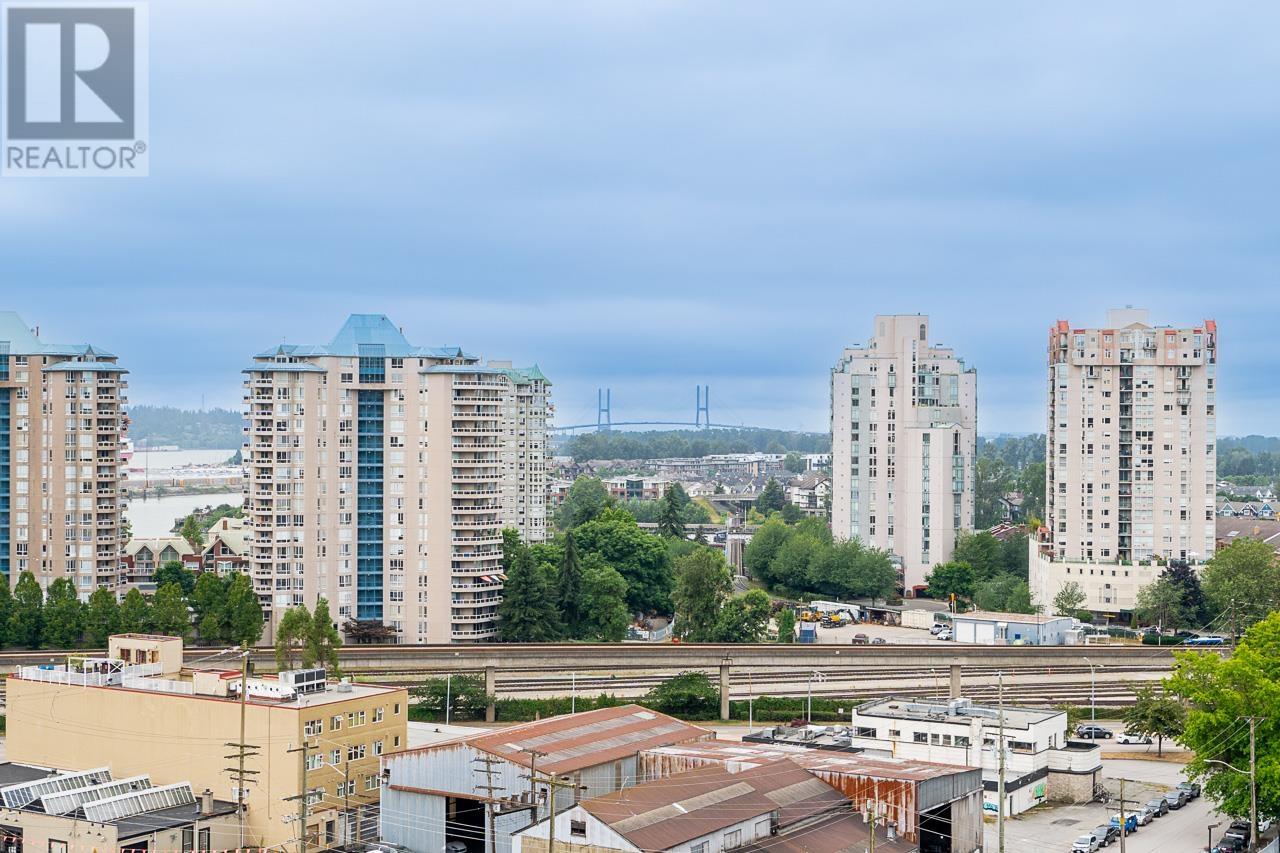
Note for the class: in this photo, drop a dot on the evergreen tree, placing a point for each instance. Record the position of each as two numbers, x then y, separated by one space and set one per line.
135 613
786 625
6 610
102 617
27 620
63 615
528 611
242 615
771 498
291 639
569 589
169 614
193 532
323 640
1180 573
671 518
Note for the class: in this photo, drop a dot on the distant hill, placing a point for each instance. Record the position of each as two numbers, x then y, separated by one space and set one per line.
156 426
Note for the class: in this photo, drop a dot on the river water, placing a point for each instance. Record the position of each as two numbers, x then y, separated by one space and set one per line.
154 517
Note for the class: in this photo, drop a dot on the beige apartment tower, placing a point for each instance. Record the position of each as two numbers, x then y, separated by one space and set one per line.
61 433
904 416
1130 447
380 475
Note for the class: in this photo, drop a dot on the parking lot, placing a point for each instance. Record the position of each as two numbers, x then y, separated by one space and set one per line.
1054 827
889 633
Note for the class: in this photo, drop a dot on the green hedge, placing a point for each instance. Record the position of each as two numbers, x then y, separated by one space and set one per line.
767 709
1161 640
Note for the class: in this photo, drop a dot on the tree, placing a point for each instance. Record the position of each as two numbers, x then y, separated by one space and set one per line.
6 610
1014 555
1242 582
792 513
27 620
1019 600
948 579
771 498
569 594
794 463
604 595
291 639
528 611
135 612
703 583
587 498
169 613
671 519
102 617
981 551
744 619
1161 603
640 558
242 614
992 480
323 639
1069 599
690 695
174 572
1193 598
763 547
786 625
1159 716
63 615
850 570
463 695
1004 593
208 600
193 532
1221 694
1030 483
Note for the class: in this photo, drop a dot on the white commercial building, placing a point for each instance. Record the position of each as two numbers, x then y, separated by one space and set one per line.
904 416
1130 479
1012 629
1040 762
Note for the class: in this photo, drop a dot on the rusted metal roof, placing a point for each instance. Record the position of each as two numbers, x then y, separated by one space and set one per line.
743 756
574 741
660 815
841 833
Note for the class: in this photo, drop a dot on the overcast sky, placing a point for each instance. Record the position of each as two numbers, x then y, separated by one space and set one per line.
649 195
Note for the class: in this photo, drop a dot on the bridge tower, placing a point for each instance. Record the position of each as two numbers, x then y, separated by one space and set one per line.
604 414
704 407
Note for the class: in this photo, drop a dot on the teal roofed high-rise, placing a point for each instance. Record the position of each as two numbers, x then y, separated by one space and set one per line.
62 428
381 473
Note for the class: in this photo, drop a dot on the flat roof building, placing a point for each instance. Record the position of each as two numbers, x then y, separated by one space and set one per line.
1012 629
1040 762
138 708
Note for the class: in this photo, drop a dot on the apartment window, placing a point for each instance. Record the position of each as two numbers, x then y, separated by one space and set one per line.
377 747
578 828
315 762
372 782
355 752
335 723
335 757
377 714
864 731
57 846
355 718
920 737
396 711
313 727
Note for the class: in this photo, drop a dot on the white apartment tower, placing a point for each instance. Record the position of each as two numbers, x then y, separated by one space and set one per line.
1131 457
904 416
380 475
61 431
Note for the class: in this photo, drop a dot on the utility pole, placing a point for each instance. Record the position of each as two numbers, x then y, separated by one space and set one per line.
553 783
1000 778
872 820
242 749
303 797
490 801
1253 784
1123 833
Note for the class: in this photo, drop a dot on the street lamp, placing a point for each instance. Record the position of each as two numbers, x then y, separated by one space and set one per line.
1212 827
809 701
1093 692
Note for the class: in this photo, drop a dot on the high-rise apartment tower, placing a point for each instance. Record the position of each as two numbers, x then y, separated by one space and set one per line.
903 442
61 428
380 475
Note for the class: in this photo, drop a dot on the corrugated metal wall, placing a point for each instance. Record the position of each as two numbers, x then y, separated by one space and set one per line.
413 821
966 824
944 789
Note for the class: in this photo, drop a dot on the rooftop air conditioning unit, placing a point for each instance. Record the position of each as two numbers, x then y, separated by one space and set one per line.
304 680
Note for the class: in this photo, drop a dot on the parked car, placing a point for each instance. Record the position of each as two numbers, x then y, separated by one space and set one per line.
1192 790
1086 843
877 641
1106 834
1175 798
945 634
1234 841
1144 815
1159 807
937 628
1133 737
861 639
1093 732
1130 822
1240 827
